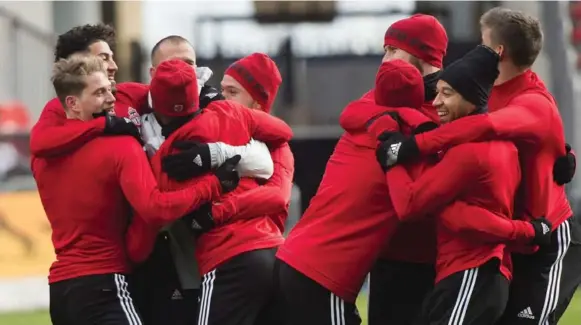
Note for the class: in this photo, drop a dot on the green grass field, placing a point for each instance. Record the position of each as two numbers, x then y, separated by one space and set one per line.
571 317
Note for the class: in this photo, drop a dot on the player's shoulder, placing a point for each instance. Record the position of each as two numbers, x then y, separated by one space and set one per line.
132 87
54 103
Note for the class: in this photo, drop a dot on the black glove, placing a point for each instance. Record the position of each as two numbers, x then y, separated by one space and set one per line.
543 232
115 125
192 161
201 220
208 95
395 148
228 175
564 167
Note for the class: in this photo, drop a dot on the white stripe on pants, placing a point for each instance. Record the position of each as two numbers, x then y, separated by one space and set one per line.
337 310
206 294
464 295
125 300
552 294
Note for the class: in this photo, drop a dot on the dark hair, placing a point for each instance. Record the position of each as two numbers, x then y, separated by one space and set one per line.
519 33
79 38
171 38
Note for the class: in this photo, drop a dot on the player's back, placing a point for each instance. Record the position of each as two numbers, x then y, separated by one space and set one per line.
496 179
341 233
86 208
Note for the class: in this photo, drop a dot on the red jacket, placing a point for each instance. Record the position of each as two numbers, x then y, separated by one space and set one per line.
410 235
54 134
343 230
282 180
89 215
522 111
231 123
484 175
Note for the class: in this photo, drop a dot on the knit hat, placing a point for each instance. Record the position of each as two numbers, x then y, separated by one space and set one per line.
258 74
421 36
174 89
399 84
473 75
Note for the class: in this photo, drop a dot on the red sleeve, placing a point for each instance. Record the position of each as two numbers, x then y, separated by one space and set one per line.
258 202
282 180
483 225
141 190
436 187
54 134
267 128
140 239
527 118
134 95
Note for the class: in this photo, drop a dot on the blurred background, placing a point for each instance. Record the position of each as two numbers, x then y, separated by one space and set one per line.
327 51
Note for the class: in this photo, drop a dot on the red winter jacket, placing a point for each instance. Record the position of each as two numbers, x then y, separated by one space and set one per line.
410 236
343 231
231 123
88 195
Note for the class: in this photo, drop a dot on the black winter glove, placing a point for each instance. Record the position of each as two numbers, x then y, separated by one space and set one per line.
543 232
115 125
192 161
208 95
564 167
228 175
395 148
201 220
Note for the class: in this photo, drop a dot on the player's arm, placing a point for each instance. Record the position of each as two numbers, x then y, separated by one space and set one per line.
256 160
525 119
267 128
282 180
140 239
482 225
251 204
140 187
54 134
436 187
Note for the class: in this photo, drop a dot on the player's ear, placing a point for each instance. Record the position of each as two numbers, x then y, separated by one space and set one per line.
71 103
151 72
256 105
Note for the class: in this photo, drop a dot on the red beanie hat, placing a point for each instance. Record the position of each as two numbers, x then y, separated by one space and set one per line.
421 36
258 74
399 84
174 89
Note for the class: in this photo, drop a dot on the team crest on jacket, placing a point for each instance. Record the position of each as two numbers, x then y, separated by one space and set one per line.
178 108
134 116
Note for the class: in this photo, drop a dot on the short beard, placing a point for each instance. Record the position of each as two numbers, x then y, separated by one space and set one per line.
418 64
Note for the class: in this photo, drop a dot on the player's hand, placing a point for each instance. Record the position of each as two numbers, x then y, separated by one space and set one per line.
208 95
395 148
228 175
543 231
115 125
201 220
564 167
193 160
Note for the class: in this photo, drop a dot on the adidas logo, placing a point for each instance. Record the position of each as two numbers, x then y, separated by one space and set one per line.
546 228
196 225
395 148
526 313
198 160
177 295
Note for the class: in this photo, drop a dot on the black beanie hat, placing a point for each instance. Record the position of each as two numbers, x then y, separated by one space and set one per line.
473 75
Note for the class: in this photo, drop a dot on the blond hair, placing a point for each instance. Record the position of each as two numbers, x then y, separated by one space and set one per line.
69 75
